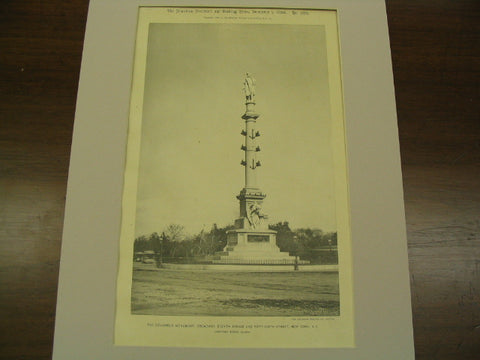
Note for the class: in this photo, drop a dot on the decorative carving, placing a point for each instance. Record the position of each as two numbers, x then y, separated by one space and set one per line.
254 215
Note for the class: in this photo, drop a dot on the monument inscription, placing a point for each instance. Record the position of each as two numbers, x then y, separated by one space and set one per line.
258 238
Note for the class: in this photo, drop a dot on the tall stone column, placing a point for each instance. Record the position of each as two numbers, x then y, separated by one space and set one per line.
251 197
251 242
250 147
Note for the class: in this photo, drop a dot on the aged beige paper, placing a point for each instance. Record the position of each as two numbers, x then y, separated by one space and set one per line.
183 172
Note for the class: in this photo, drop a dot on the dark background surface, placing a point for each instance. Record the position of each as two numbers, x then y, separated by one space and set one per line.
436 63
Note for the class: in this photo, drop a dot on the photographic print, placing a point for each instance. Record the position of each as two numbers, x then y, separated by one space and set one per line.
235 205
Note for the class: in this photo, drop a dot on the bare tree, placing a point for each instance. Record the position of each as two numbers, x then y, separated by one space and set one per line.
175 232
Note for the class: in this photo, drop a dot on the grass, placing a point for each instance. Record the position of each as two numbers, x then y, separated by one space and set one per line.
216 293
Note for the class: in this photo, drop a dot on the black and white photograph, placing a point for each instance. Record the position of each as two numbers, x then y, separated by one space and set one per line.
236 203
237 175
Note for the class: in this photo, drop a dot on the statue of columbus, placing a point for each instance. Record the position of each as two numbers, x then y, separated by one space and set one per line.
249 87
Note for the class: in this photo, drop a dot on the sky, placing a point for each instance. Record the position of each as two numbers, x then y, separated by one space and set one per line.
190 172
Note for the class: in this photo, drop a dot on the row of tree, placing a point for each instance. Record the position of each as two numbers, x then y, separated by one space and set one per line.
173 242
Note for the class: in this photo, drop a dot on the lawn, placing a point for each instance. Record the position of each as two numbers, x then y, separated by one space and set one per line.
216 293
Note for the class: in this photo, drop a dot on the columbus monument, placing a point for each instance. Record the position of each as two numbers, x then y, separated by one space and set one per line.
251 242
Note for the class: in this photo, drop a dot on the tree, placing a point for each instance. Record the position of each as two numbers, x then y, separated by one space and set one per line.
154 242
330 238
140 244
219 237
310 238
175 232
156 245
285 236
208 243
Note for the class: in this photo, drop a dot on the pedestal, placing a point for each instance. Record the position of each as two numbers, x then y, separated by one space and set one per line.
252 246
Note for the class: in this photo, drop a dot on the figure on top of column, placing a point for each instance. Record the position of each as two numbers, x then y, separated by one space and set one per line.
249 87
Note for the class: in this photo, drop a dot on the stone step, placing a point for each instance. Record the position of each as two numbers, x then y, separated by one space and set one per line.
260 261
221 253
257 254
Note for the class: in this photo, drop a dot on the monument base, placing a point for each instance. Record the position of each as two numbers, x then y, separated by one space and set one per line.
245 246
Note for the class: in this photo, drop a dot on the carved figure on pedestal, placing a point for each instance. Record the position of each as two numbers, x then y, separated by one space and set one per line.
255 216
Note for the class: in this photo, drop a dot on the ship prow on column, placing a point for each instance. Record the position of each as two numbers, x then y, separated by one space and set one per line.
252 242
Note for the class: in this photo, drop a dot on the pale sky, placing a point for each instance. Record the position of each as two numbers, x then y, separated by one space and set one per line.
190 170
